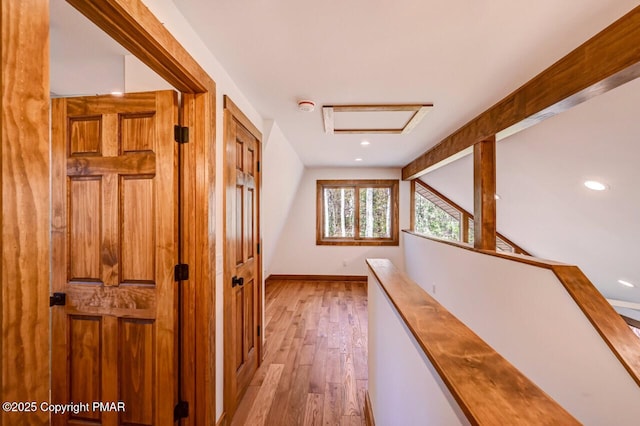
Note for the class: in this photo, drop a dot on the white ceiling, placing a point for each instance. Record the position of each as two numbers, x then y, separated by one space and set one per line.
544 205
462 55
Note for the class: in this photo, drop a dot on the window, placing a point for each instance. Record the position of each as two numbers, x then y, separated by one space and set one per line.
357 212
435 215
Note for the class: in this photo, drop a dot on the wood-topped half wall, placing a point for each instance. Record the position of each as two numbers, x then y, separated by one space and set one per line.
488 389
606 61
607 322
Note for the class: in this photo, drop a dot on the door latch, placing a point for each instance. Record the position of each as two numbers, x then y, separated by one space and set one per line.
237 281
58 299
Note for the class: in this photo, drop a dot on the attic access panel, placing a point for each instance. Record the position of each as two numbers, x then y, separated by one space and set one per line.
405 118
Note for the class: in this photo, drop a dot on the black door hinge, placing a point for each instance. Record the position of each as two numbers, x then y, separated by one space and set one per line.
258 331
181 411
258 249
181 134
58 299
258 166
181 272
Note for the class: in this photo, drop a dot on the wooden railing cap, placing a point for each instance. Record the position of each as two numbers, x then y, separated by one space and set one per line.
488 388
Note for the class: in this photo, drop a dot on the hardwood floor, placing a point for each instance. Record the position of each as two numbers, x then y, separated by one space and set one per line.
315 369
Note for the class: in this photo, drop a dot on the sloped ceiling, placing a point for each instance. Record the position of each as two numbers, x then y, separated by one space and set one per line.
462 55
544 205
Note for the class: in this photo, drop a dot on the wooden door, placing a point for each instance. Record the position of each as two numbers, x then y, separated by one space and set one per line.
243 286
114 215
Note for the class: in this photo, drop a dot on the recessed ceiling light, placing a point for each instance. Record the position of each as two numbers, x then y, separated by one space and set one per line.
358 159
365 143
626 283
595 185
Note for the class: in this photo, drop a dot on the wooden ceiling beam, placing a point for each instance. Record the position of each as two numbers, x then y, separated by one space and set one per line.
606 61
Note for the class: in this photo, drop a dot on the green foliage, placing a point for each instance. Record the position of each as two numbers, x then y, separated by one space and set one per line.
432 220
339 212
375 204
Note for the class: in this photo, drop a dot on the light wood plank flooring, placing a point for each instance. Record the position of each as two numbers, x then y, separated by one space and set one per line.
315 369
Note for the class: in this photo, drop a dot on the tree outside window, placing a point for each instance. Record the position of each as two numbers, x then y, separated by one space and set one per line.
357 212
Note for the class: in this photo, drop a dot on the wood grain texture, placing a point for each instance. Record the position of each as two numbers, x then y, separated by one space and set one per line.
632 322
142 163
222 420
237 113
136 234
487 387
26 58
132 24
260 409
484 191
84 229
320 382
305 278
135 364
464 228
85 136
607 322
242 303
84 364
604 62
25 203
369 420
198 249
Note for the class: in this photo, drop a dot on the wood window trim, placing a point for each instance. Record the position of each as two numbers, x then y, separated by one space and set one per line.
392 184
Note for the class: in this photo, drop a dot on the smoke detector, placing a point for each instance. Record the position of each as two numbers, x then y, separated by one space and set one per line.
306 105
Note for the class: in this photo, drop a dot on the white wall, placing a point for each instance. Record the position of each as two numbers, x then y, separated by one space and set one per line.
527 316
281 174
297 252
138 77
545 207
404 387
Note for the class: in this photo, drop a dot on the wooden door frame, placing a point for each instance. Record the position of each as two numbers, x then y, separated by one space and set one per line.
25 176
25 221
231 113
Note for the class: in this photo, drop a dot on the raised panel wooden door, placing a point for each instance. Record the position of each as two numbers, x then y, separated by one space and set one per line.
114 236
244 295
